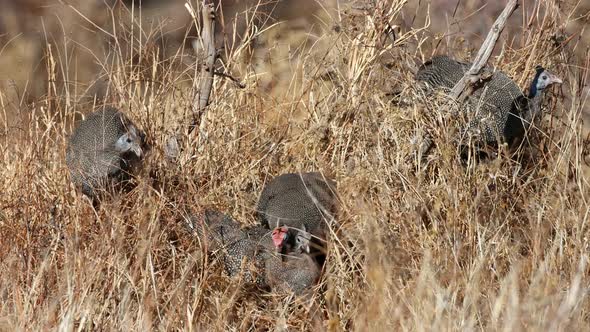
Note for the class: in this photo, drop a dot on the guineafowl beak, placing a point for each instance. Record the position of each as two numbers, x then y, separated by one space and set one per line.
553 79
137 150
306 249
279 236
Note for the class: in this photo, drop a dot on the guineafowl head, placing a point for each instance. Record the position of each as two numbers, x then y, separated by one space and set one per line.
301 240
543 79
130 142
291 240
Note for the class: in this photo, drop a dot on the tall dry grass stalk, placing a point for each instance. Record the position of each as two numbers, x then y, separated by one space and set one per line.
495 245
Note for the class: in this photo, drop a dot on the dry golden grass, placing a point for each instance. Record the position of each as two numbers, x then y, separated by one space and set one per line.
501 244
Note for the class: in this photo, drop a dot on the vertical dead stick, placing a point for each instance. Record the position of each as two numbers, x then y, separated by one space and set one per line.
207 71
173 144
472 75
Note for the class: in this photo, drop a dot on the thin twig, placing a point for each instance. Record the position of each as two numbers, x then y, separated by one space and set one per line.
231 78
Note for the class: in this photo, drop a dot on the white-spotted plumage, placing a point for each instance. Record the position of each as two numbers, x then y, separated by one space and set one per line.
497 109
102 151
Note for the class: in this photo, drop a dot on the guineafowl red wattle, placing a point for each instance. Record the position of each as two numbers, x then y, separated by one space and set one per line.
498 109
103 150
303 202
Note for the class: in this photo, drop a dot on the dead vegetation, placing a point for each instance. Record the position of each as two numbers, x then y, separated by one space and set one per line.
501 244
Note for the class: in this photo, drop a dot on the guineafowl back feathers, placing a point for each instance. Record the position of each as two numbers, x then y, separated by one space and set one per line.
441 72
216 229
223 236
297 200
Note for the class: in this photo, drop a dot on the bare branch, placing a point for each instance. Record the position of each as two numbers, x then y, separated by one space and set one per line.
173 144
472 75
207 71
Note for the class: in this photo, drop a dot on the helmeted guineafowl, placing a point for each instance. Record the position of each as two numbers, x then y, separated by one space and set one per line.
102 150
497 108
304 202
249 252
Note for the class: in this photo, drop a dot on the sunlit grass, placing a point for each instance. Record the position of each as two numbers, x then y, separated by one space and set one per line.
501 244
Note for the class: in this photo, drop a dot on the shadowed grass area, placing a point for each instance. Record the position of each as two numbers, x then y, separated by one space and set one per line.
499 244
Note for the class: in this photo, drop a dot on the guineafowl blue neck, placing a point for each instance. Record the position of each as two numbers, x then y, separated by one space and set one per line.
533 91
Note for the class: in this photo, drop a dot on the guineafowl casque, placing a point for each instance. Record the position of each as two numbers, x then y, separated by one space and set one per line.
102 151
498 107
304 203
249 252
